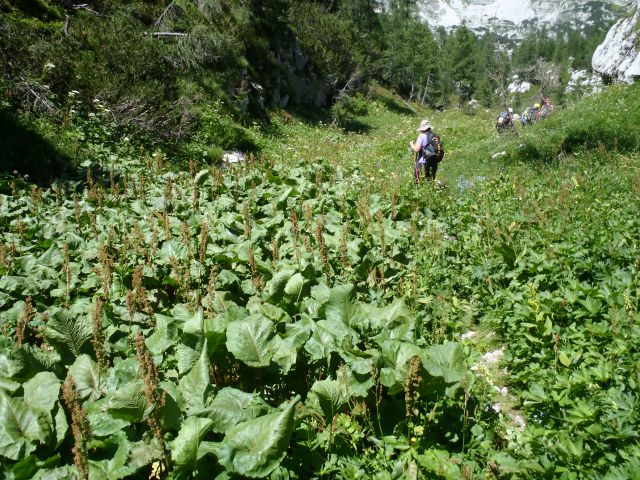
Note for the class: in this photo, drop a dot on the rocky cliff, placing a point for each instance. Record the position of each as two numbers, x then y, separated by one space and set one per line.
513 18
618 57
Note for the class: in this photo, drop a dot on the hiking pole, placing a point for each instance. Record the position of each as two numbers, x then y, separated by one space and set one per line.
416 169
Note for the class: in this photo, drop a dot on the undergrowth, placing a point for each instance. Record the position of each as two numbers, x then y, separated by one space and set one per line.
320 309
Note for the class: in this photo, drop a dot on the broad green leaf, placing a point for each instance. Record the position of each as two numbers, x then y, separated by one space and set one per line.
592 305
88 377
394 316
123 372
69 332
285 353
21 427
129 403
564 359
186 357
322 341
115 467
12 283
172 249
28 360
42 391
395 356
8 385
51 258
294 286
143 453
13 314
22 470
446 361
249 340
60 473
231 406
300 331
195 385
31 467
164 336
440 464
275 287
256 447
339 307
104 425
329 395
191 322
273 313
61 424
184 449
215 328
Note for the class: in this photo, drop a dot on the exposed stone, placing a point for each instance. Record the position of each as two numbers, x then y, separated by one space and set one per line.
618 57
515 18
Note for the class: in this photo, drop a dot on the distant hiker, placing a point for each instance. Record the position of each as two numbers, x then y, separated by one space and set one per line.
530 115
547 108
504 120
428 152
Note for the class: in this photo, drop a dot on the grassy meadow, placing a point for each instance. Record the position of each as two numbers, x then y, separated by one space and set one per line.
314 314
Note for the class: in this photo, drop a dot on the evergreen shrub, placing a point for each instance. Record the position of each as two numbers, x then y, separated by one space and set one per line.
347 108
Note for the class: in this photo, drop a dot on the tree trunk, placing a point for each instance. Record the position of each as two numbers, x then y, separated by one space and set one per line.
426 87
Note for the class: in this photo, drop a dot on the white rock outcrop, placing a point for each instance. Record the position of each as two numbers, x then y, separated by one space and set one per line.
585 82
618 57
519 87
514 18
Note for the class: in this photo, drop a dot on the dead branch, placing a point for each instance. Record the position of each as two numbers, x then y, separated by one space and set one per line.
166 34
165 13
355 76
85 6
35 99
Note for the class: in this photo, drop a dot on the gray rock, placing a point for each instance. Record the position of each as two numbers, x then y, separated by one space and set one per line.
618 57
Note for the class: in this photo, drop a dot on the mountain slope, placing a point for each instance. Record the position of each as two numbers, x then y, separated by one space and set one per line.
512 18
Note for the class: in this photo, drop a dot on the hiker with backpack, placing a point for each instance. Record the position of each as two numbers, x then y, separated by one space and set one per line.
504 120
428 152
547 108
530 115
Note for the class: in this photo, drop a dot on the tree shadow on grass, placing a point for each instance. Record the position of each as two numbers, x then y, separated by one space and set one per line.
311 115
318 116
356 126
394 106
26 152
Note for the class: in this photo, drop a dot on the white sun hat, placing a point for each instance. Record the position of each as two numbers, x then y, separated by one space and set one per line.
424 126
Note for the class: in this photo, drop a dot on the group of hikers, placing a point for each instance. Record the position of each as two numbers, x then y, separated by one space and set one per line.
428 150
504 120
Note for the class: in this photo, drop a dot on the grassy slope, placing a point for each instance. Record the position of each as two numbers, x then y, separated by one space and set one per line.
546 255
537 255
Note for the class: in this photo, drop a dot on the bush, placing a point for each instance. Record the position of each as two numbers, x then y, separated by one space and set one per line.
347 108
214 155
216 132
228 135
